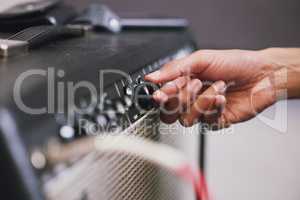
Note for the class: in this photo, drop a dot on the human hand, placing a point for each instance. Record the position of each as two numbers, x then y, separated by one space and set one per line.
242 84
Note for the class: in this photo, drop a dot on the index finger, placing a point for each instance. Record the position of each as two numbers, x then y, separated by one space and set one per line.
194 63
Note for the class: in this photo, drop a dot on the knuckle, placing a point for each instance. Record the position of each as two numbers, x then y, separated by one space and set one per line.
180 82
203 53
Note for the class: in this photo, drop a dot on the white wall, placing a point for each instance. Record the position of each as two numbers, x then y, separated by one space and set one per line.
256 161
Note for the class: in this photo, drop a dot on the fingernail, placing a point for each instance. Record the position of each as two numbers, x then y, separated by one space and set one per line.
220 99
221 86
153 76
160 96
195 86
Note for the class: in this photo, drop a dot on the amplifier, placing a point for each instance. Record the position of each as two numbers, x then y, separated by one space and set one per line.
55 97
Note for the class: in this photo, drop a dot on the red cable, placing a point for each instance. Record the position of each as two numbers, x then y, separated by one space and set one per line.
196 178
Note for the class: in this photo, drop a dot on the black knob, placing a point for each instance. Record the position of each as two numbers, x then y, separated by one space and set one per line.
129 90
102 120
143 96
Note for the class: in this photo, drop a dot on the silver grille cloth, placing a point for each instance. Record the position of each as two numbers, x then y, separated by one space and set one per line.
116 176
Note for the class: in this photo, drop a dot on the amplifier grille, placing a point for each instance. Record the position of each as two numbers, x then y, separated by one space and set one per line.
116 176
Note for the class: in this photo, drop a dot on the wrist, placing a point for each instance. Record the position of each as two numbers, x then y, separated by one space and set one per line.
285 66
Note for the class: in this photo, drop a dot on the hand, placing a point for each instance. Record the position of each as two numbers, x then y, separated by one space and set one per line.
242 84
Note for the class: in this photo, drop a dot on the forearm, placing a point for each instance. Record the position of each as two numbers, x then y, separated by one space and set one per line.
286 65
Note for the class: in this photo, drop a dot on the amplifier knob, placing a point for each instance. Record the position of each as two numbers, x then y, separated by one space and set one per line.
67 132
38 159
120 107
111 113
101 120
143 96
128 101
129 89
140 80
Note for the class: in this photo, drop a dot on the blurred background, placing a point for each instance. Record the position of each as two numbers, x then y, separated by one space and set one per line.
253 161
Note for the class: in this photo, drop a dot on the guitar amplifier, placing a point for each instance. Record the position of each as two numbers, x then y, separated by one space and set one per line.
55 97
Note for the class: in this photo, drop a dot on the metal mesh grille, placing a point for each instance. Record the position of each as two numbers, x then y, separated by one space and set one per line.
116 176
